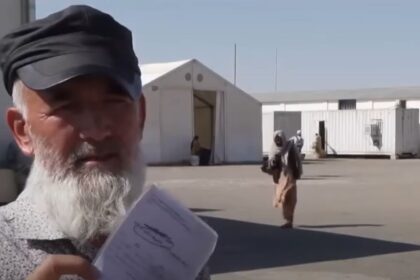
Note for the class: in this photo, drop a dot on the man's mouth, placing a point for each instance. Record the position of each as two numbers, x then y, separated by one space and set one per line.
97 159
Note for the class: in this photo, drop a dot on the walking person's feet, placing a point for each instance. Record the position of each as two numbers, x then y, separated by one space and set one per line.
287 226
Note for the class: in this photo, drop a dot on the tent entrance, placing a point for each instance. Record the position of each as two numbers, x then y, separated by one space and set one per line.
204 122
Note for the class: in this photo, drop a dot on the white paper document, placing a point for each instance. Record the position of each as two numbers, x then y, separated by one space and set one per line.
159 240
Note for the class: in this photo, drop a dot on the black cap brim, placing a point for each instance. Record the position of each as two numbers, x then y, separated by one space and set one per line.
47 73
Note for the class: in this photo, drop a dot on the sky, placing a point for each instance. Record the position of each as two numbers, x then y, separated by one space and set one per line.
321 44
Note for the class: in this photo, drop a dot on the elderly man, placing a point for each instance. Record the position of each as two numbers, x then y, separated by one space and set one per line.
79 112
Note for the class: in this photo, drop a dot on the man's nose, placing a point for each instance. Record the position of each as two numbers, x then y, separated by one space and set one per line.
94 126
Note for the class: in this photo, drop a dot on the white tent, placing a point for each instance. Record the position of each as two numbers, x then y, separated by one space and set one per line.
186 98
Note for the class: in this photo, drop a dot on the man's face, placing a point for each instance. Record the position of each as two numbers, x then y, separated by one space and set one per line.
88 122
278 141
85 137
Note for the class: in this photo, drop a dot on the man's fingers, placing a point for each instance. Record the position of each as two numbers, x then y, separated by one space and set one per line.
68 264
55 266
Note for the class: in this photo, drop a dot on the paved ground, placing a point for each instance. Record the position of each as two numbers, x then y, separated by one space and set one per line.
357 219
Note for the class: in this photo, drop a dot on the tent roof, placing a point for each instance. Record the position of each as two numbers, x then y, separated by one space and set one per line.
153 71
335 95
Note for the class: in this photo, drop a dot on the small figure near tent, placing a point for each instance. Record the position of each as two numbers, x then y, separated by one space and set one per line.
286 167
195 148
317 146
298 141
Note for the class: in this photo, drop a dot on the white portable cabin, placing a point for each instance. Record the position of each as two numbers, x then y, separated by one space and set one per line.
186 98
332 100
389 132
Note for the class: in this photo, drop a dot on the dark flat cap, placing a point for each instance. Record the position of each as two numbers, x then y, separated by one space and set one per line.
76 41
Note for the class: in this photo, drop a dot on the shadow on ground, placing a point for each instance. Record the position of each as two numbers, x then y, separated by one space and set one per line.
247 246
201 210
312 161
340 226
321 177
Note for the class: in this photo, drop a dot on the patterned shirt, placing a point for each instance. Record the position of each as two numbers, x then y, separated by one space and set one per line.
27 236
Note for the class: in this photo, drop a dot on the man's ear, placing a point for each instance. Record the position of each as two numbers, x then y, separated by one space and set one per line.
20 130
142 112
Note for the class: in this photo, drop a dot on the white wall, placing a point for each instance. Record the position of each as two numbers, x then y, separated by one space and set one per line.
297 107
211 81
369 105
300 107
169 118
332 105
176 110
151 142
243 120
345 131
414 104
273 108
12 14
364 105
384 104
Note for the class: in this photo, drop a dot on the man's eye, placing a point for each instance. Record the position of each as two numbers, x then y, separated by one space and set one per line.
64 106
117 99
67 106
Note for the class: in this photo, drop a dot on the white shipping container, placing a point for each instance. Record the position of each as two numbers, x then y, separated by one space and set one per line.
391 132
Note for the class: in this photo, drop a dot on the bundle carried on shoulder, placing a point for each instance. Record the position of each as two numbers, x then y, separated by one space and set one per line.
266 167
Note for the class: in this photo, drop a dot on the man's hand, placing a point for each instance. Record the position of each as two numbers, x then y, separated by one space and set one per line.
55 266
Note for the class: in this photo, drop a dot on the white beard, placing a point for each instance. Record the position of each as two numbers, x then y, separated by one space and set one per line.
84 205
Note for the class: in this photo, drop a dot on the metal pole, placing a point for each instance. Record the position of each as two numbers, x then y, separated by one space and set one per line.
275 79
234 66
25 7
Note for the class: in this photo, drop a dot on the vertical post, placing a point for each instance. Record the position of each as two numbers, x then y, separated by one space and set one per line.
234 65
26 9
275 78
